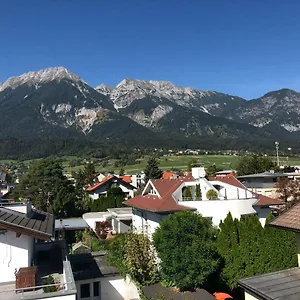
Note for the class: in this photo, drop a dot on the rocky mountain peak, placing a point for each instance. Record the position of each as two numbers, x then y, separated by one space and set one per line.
42 76
104 89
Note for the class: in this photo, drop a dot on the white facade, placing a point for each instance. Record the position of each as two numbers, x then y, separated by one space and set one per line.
219 209
15 252
239 201
110 288
120 218
146 222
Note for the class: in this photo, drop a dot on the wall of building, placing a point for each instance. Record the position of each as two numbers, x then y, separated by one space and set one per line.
218 209
61 297
111 288
146 222
15 253
250 297
262 213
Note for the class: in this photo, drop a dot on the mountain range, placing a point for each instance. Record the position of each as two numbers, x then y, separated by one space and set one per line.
57 103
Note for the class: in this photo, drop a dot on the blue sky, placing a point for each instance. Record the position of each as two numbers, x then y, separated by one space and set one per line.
241 47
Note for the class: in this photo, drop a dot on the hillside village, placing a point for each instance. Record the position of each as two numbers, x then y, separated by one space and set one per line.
152 235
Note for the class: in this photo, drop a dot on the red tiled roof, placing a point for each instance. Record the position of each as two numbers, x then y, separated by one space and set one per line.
229 179
167 175
98 184
126 178
290 219
164 202
262 200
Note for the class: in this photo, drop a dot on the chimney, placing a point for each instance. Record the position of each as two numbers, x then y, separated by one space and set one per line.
28 208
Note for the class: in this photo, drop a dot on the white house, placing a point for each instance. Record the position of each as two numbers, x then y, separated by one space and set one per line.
96 280
100 188
120 218
27 247
162 197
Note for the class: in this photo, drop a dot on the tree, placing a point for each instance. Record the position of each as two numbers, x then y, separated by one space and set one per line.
254 164
188 194
198 192
228 247
211 170
89 173
186 245
152 171
248 249
212 195
48 189
140 258
288 191
132 253
121 172
191 163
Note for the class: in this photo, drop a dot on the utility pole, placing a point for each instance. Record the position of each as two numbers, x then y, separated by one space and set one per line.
277 148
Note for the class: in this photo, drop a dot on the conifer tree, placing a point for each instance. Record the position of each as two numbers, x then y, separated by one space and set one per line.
152 171
198 192
188 194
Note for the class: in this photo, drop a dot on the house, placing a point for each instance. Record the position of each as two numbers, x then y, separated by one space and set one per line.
164 196
280 285
100 188
95 279
120 219
262 183
29 254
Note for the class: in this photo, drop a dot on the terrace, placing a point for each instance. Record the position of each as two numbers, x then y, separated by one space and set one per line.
51 260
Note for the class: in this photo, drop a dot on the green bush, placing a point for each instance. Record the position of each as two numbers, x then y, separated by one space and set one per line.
186 245
47 281
212 195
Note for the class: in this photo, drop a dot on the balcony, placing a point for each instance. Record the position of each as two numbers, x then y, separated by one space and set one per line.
50 259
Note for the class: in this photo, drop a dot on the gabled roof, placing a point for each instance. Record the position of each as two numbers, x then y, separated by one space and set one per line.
107 179
126 178
167 175
289 220
98 184
164 202
38 224
262 200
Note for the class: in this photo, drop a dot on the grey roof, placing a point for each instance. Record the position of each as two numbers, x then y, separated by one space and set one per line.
38 224
71 224
224 172
91 265
157 290
263 175
281 285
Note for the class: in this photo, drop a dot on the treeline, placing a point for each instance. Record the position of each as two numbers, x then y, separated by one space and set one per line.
248 249
30 148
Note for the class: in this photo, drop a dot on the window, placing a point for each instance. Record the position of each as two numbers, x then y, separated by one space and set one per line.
96 288
85 290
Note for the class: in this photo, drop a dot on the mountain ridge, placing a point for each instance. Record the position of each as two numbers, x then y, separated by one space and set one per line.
56 102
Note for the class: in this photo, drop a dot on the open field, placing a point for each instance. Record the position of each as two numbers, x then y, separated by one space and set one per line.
166 163
179 162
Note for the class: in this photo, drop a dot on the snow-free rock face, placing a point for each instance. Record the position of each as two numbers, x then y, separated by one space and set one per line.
57 102
54 95
279 108
40 77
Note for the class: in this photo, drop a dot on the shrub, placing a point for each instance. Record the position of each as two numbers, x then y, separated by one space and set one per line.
47 281
186 245
212 195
